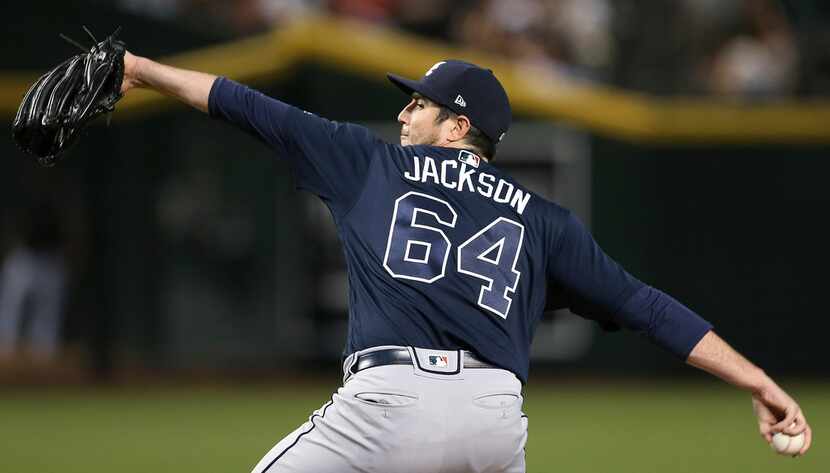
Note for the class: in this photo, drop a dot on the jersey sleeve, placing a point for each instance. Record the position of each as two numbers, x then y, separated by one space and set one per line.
327 158
600 289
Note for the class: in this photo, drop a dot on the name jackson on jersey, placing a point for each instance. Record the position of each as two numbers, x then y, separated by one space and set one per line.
460 176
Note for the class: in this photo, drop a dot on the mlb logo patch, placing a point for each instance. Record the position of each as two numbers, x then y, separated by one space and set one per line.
439 361
469 158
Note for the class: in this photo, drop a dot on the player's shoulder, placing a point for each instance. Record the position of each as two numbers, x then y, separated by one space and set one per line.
547 216
551 210
349 136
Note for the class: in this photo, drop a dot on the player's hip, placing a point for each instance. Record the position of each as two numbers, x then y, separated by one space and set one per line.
398 414
436 415
427 381
396 431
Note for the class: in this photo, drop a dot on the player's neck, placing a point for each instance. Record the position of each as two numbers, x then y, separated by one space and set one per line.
462 145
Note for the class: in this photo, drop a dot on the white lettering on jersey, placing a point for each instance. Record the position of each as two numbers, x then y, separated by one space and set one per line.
444 165
417 176
507 193
429 170
520 201
465 176
488 186
451 177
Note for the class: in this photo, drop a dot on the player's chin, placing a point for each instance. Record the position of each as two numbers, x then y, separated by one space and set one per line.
404 140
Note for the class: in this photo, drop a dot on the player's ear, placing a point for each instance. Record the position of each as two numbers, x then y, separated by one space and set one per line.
460 128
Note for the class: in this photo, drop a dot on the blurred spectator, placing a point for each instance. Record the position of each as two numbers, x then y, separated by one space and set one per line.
570 37
758 59
510 30
434 18
370 10
235 16
586 26
284 11
33 285
740 48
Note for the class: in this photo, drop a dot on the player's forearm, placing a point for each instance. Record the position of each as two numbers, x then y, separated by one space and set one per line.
190 87
713 355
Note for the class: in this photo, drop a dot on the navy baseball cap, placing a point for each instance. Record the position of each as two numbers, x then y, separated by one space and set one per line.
466 89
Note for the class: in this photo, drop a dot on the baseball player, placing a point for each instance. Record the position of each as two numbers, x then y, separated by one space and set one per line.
449 262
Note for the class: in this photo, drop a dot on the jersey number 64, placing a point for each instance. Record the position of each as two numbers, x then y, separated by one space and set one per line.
418 249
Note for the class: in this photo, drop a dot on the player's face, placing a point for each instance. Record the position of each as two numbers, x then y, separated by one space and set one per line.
418 125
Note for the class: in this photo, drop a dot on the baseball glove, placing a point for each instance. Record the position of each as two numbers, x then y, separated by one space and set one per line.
64 100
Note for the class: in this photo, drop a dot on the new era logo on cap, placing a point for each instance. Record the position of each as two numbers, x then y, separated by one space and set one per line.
460 101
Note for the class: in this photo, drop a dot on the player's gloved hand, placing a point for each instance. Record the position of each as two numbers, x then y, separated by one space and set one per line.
62 102
771 404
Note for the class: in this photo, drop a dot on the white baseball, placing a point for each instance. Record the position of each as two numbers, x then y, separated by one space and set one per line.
787 444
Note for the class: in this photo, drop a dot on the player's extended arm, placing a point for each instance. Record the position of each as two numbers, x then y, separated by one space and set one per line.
775 409
190 87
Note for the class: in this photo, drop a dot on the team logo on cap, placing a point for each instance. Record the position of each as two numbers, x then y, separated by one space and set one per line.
467 157
439 361
460 101
435 66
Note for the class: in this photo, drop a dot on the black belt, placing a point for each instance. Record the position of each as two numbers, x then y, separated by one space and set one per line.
401 356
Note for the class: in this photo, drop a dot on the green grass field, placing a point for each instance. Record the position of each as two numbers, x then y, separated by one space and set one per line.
574 427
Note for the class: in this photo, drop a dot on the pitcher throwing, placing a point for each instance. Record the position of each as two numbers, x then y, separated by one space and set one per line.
449 262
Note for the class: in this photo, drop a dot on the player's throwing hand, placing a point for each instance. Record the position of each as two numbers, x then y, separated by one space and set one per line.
772 404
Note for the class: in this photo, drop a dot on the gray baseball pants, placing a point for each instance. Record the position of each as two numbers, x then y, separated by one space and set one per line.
401 418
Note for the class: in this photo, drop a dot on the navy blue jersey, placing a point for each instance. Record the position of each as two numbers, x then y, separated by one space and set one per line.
443 249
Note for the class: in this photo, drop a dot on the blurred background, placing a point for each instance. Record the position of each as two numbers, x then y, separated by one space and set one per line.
166 283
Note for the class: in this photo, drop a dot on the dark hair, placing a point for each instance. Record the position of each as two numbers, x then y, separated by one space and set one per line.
477 140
